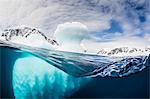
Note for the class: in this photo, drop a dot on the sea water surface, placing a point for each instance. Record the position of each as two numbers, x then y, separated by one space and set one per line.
28 72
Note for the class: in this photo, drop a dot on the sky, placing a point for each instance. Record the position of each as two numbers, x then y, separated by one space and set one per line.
109 23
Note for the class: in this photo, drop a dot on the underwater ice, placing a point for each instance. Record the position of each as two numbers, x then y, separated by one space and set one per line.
34 78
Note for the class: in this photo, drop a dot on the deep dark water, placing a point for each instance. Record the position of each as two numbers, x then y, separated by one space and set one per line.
8 57
132 86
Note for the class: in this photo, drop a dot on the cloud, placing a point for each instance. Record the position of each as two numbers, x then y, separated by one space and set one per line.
48 14
97 15
147 37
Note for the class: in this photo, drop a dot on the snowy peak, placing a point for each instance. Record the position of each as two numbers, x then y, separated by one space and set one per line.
24 33
124 51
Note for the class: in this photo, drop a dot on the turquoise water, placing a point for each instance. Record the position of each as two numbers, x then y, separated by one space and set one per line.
33 77
26 75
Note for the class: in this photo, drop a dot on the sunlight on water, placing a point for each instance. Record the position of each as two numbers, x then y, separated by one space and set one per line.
33 77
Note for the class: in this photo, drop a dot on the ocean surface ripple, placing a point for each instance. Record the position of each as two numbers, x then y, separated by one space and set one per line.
80 65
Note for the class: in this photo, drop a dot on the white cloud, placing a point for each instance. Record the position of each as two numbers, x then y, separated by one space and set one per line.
147 37
95 14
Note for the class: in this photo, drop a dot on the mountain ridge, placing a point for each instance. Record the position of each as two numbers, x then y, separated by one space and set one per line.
25 32
123 50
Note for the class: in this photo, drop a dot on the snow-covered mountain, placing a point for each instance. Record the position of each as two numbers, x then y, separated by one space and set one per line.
124 51
35 38
27 36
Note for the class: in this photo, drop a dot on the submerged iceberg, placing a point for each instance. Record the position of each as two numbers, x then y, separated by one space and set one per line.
34 78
